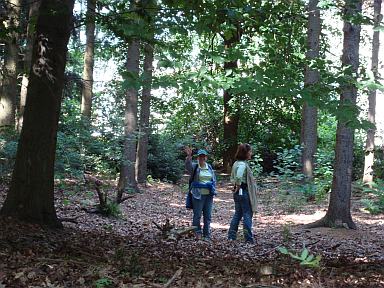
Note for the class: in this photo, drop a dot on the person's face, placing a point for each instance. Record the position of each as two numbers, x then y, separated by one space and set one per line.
249 155
202 158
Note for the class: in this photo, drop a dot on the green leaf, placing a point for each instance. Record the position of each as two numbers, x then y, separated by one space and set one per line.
304 254
283 250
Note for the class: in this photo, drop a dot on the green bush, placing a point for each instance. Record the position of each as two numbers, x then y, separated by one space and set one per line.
8 149
378 166
164 161
84 147
375 205
288 163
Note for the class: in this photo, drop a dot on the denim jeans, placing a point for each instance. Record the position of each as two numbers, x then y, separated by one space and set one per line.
242 210
202 206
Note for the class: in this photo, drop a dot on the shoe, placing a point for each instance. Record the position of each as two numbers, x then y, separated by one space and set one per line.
198 236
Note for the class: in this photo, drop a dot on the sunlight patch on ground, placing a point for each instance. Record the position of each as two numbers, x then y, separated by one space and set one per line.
294 218
222 200
368 220
176 205
219 226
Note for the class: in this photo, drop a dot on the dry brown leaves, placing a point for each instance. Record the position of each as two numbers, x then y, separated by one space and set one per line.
130 252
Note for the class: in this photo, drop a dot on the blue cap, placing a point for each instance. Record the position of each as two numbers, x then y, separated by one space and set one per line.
202 152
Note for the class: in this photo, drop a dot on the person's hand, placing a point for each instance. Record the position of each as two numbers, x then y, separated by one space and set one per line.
188 151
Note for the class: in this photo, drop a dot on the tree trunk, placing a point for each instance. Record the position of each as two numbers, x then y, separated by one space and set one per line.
231 111
9 89
31 194
142 148
127 179
339 209
32 16
309 112
86 101
370 141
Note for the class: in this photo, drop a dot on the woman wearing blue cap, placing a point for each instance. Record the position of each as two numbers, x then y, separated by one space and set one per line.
203 188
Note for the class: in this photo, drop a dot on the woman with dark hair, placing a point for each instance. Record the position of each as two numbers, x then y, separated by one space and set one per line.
244 194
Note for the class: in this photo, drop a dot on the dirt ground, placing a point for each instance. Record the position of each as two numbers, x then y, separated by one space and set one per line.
129 251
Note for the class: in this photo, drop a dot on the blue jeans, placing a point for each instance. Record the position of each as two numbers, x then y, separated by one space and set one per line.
202 206
242 210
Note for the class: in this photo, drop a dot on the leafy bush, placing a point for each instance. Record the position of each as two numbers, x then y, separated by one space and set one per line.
8 149
164 161
305 258
378 166
111 209
375 205
288 163
81 146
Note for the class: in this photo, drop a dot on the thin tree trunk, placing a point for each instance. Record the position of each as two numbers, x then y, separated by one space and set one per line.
31 194
339 209
9 89
370 141
127 179
86 101
33 14
309 112
231 112
142 148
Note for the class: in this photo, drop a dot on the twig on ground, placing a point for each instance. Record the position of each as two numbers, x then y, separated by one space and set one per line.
176 275
72 219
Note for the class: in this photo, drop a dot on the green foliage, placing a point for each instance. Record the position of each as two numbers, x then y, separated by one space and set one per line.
286 232
111 209
288 163
103 282
305 258
375 205
255 163
83 147
378 166
8 149
163 158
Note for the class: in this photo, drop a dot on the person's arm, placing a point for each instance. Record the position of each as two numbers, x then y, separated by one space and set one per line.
188 160
213 181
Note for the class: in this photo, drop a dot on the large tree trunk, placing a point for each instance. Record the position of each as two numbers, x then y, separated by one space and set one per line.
231 111
31 194
309 112
370 141
32 16
127 181
142 148
86 101
9 89
339 209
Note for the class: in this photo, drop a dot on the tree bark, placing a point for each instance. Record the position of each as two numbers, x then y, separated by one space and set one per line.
127 179
312 76
370 141
31 194
9 89
32 16
142 148
231 111
86 101
339 209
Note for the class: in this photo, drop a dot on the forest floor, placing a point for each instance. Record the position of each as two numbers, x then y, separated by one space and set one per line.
129 251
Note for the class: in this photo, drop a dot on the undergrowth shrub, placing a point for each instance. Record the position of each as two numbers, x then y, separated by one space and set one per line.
164 161
8 148
375 203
